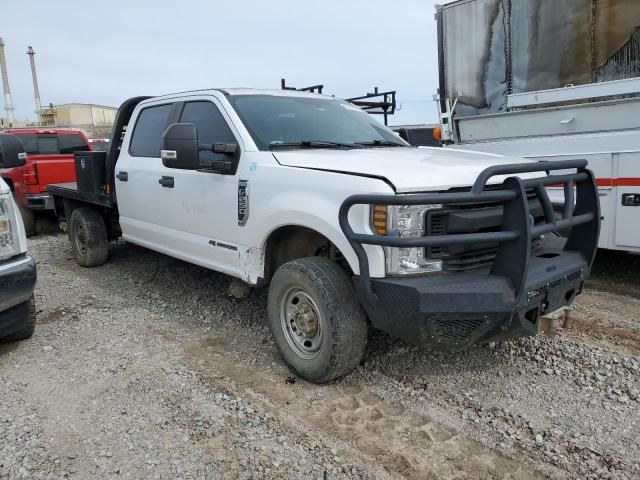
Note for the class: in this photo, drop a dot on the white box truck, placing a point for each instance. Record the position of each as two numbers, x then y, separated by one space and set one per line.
549 81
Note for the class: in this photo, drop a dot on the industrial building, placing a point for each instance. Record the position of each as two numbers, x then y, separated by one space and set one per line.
94 120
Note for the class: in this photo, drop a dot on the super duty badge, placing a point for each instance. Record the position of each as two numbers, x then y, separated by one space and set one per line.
243 202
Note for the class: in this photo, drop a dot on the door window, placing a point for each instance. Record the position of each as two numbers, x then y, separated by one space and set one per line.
211 126
147 133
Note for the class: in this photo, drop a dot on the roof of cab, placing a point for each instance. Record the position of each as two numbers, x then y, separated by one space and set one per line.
242 91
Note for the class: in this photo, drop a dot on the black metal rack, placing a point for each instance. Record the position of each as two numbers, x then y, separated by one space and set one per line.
374 103
312 88
385 106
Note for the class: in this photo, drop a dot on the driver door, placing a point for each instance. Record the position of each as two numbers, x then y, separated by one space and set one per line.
202 206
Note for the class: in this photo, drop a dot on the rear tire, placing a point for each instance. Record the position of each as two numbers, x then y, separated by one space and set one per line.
28 217
28 310
88 236
317 323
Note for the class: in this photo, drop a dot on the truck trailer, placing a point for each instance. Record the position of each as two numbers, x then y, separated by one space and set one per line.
549 81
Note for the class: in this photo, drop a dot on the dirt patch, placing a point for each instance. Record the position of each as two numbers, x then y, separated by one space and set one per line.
405 443
56 314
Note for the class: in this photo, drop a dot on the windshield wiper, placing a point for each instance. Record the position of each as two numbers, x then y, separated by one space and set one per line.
380 143
312 144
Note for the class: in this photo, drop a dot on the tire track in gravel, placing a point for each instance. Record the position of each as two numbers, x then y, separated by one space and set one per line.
404 442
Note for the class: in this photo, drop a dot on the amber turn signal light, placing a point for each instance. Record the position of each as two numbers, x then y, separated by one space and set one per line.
379 219
437 134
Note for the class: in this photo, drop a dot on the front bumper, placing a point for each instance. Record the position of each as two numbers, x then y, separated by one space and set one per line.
454 310
40 201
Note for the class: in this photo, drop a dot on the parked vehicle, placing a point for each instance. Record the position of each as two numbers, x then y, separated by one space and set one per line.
419 135
516 81
343 219
49 160
17 268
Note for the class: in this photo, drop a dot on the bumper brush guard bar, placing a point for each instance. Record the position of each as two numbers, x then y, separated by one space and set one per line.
513 256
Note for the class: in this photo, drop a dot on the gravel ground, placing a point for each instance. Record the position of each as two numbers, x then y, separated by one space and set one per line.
145 368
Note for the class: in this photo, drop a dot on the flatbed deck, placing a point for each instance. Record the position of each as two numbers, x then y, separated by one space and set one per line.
70 190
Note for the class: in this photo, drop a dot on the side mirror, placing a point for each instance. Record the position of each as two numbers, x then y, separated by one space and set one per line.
11 151
180 146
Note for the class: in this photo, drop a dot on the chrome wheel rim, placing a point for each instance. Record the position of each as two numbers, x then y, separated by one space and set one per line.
301 323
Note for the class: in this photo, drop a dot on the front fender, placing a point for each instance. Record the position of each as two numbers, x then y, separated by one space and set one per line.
313 201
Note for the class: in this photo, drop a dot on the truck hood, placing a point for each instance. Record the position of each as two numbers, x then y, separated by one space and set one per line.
407 169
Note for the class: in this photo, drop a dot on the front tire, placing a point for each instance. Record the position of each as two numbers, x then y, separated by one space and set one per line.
26 310
88 236
317 323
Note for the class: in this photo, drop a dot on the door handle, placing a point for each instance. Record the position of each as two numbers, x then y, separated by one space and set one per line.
631 199
122 176
166 182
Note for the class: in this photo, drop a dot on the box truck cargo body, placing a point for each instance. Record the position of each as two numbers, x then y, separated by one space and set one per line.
549 81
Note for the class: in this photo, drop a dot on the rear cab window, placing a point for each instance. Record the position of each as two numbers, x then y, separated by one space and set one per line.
52 143
29 141
72 143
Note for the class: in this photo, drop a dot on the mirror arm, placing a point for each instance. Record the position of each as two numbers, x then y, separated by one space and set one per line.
223 148
217 166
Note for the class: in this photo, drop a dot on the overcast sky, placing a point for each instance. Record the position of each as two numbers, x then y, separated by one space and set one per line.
105 52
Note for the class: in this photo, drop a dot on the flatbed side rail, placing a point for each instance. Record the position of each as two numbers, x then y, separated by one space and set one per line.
70 191
518 231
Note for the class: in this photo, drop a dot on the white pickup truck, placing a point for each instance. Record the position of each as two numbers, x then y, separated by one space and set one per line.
346 223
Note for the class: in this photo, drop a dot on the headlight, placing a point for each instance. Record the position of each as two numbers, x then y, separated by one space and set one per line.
9 241
404 222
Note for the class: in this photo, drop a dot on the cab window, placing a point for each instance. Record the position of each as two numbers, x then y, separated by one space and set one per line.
147 133
211 126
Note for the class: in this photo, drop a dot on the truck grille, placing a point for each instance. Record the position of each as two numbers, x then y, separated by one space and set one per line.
471 218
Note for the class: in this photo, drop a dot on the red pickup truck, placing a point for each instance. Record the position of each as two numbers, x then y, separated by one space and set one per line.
49 160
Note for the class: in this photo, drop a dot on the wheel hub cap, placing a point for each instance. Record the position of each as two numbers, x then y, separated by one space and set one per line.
301 323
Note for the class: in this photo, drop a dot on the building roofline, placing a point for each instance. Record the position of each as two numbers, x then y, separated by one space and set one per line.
83 104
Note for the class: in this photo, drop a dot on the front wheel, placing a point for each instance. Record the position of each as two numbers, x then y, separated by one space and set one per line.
317 323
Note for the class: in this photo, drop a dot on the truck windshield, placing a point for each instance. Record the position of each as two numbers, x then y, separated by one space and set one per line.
289 122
